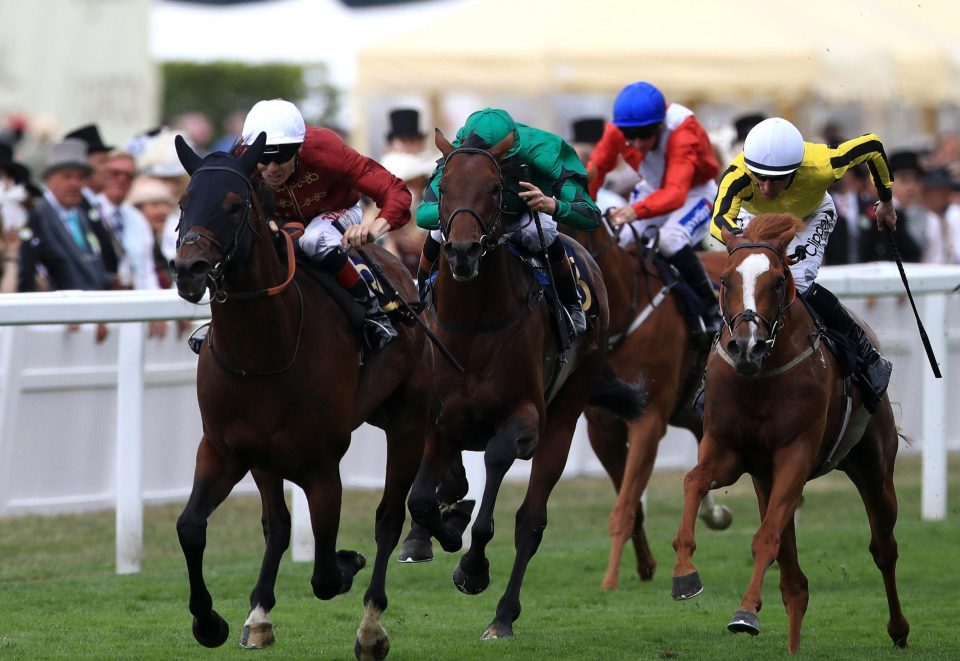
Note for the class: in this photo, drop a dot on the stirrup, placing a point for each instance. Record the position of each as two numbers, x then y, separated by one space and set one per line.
377 332
578 320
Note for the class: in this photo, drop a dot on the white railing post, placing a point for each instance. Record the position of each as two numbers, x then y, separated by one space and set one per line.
129 466
302 542
934 418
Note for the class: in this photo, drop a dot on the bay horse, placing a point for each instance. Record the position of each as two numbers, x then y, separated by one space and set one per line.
649 339
518 397
280 389
778 409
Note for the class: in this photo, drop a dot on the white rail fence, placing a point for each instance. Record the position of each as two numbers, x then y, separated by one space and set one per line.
89 426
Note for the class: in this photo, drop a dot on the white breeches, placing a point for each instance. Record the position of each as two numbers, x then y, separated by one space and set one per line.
321 235
524 231
686 226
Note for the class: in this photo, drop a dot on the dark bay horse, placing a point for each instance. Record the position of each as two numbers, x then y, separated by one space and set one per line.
280 390
649 339
777 408
517 398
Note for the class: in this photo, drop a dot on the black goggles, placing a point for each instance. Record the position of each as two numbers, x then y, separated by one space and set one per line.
278 153
772 177
640 132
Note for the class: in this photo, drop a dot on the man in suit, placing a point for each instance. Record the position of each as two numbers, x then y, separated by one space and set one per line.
60 240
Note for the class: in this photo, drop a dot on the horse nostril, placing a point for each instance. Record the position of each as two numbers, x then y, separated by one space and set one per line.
733 348
198 269
473 252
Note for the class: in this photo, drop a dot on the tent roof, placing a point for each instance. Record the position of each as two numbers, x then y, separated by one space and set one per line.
723 51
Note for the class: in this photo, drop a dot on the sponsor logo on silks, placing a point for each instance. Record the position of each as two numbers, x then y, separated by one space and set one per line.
817 241
697 217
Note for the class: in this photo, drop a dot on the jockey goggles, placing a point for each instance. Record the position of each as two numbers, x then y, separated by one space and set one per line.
278 154
771 177
640 132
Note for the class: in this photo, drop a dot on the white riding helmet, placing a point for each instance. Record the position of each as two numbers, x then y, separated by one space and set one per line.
773 147
279 119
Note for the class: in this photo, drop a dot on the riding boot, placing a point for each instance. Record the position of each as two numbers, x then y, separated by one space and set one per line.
695 275
873 370
566 284
428 260
376 328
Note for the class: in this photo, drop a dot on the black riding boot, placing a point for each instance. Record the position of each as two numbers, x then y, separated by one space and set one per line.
428 260
873 370
695 275
376 328
566 284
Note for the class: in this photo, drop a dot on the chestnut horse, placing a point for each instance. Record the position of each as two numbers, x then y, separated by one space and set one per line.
280 389
519 396
778 409
650 339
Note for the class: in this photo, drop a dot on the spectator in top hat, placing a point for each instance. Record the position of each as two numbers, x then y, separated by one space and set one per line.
60 236
16 198
405 135
96 154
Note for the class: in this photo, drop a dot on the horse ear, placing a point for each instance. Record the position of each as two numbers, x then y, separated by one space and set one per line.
252 154
730 240
502 147
189 159
442 143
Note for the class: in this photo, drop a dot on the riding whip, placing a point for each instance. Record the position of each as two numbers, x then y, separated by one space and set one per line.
562 334
923 333
393 293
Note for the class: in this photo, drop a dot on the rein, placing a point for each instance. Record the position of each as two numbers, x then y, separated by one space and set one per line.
486 244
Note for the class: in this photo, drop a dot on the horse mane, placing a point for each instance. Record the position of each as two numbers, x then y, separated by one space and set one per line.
769 226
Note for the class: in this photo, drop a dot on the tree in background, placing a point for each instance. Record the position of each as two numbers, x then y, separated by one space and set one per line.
220 88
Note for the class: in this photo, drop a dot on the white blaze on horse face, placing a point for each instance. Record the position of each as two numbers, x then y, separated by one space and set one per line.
750 270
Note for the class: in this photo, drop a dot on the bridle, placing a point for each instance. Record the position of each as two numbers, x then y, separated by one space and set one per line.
773 325
487 243
232 252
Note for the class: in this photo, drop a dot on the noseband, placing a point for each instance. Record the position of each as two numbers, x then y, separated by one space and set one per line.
487 231
774 325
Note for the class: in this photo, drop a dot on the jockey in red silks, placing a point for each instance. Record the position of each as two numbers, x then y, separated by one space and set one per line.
671 152
317 180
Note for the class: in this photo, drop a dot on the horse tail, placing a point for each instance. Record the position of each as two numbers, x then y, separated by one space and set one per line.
622 399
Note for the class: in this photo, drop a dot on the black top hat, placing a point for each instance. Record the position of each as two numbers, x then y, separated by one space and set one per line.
744 123
404 123
940 178
905 160
90 134
588 129
19 172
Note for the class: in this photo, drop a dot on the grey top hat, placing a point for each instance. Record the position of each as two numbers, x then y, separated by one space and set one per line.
70 153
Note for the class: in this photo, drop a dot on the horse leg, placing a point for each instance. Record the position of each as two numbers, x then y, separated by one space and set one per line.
793 582
215 475
416 547
547 468
472 574
717 467
870 467
790 469
626 519
258 629
423 503
333 570
404 448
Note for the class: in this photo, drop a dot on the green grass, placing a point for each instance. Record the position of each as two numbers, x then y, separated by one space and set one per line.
62 600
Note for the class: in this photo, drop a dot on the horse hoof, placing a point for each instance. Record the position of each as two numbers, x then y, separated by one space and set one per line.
744 622
257 636
350 562
213 632
497 630
687 587
471 583
720 518
377 652
415 550
646 573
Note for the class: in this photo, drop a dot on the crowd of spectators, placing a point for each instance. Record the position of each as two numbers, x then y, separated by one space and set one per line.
103 215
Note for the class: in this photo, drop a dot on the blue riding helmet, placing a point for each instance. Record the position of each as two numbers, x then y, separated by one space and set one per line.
639 104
